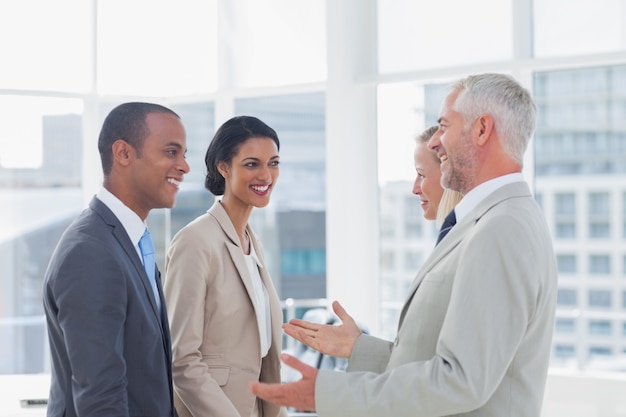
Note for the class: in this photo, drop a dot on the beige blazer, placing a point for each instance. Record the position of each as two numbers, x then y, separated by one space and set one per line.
475 332
211 308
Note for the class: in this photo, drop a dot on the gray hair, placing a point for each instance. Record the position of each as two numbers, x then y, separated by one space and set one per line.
502 97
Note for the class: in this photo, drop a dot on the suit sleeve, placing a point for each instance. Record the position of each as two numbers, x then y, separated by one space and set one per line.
187 269
493 299
91 297
370 354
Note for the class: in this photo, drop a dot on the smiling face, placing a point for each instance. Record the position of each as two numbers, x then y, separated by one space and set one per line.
427 180
252 173
156 170
454 146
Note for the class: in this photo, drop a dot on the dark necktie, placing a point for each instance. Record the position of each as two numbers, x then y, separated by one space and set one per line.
448 224
149 262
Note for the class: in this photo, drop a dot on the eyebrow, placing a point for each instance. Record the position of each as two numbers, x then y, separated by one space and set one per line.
254 158
176 145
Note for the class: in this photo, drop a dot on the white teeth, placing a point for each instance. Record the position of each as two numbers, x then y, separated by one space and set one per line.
261 189
173 182
443 158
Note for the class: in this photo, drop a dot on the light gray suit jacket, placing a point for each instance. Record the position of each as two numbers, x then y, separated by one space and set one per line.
212 311
475 332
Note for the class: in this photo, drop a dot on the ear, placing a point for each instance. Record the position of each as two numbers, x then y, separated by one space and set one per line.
123 153
483 129
222 167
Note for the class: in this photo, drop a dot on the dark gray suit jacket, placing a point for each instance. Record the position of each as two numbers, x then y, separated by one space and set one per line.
110 347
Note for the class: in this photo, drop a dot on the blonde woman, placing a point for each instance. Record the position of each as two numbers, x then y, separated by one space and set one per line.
436 201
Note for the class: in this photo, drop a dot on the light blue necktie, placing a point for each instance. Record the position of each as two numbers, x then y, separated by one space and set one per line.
149 262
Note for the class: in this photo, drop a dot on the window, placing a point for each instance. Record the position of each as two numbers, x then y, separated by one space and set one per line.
599 204
539 199
564 351
565 204
119 40
67 43
565 230
388 260
600 230
40 194
413 217
556 36
600 327
600 264
296 41
565 326
293 226
599 215
408 22
412 261
387 229
566 264
565 212
600 299
600 351
567 297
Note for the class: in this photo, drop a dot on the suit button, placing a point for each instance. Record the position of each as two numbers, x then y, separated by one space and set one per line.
395 341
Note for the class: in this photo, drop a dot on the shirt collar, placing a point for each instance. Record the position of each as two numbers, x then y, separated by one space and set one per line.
480 192
131 222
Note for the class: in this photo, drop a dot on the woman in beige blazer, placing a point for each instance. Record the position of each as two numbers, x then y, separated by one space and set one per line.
224 313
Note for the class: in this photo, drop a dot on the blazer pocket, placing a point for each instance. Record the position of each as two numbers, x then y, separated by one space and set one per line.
220 374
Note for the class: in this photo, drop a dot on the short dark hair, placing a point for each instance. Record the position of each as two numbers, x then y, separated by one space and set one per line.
127 122
225 145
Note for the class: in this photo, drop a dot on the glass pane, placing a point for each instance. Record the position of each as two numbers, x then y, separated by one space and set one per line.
293 226
404 110
563 27
417 35
40 194
46 45
580 149
274 42
170 51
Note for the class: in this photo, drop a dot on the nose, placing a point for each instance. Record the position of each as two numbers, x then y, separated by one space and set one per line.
184 166
417 188
265 174
435 140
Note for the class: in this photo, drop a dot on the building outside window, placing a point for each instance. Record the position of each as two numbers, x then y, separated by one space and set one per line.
566 264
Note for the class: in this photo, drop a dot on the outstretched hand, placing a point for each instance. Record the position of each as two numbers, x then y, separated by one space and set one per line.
299 394
329 339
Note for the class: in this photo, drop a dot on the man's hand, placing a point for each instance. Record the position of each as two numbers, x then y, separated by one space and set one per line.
299 394
331 340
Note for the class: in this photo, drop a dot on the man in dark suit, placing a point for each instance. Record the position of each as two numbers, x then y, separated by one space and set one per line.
107 324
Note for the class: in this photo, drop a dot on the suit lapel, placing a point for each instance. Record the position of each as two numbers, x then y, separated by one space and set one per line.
120 234
237 257
459 231
234 249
